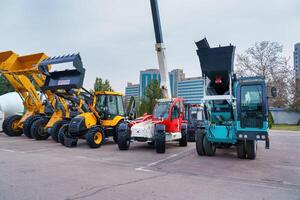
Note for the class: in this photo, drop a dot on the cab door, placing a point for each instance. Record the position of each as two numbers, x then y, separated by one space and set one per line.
175 124
252 105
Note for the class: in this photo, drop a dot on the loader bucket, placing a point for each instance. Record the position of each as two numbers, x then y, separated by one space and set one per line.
6 58
28 62
65 79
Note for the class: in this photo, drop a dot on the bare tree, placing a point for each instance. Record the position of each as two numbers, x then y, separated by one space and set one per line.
265 59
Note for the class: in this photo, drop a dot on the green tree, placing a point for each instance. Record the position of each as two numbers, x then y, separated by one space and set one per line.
102 85
5 86
153 92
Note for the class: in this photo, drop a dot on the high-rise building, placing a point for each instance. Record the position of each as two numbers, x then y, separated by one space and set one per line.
132 90
297 63
146 78
191 90
175 76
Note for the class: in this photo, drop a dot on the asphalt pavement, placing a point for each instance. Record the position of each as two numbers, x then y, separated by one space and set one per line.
42 170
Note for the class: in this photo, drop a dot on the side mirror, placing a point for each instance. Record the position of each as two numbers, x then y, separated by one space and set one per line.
273 92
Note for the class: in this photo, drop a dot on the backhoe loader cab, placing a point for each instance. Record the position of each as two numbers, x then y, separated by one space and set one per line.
106 113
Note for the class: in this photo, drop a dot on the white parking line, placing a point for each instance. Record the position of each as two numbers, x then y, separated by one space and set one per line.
7 150
152 164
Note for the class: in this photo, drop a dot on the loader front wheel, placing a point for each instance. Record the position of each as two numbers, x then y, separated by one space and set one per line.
65 138
209 147
38 130
4 124
160 138
61 134
95 137
11 126
28 123
199 139
55 129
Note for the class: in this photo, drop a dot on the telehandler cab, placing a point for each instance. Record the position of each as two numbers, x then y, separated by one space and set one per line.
166 123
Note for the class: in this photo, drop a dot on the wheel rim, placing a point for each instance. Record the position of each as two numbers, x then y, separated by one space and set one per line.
14 125
41 130
98 138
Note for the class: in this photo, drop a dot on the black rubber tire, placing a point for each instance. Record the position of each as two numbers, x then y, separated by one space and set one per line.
241 149
38 131
199 137
4 124
251 149
55 129
28 123
160 138
115 136
183 140
61 133
90 137
123 137
65 138
209 147
9 130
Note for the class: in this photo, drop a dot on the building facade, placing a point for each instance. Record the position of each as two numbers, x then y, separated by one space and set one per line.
175 76
132 90
146 78
191 90
297 63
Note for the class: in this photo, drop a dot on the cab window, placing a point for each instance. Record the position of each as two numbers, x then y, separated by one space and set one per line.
112 105
175 111
101 102
251 97
120 106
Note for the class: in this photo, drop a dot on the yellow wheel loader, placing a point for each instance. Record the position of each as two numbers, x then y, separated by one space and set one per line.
66 86
9 61
46 111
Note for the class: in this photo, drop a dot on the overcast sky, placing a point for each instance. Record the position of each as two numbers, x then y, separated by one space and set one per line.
116 39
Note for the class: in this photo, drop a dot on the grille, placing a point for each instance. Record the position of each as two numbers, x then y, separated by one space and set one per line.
251 122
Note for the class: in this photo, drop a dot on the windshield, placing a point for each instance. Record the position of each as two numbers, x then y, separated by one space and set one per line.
161 110
101 102
251 97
